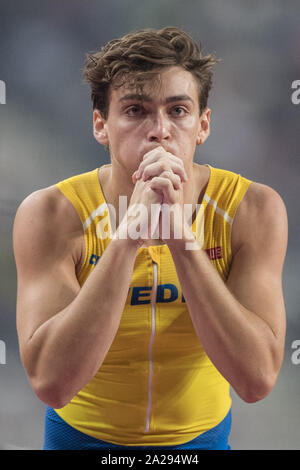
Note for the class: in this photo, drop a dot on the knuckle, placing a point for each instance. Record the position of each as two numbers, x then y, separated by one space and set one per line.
164 166
155 179
145 171
141 169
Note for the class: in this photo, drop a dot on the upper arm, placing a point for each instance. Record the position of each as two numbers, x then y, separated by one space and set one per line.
259 235
44 238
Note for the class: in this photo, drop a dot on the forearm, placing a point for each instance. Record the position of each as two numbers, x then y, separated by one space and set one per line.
68 349
237 341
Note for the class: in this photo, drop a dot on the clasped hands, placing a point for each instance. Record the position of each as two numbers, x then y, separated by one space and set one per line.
166 172
159 182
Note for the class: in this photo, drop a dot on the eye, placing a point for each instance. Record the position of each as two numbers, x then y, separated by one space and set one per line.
178 111
134 110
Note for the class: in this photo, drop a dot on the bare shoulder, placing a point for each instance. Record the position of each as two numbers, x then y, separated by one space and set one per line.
261 217
46 220
48 207
261 200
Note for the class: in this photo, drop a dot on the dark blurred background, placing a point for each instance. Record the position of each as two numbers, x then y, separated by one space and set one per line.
46 135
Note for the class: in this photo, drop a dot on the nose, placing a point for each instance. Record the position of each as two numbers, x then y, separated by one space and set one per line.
159 128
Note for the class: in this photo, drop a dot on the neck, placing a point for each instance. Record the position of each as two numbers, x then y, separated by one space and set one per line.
120 181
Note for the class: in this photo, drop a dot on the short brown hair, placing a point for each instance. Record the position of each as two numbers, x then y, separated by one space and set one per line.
139 56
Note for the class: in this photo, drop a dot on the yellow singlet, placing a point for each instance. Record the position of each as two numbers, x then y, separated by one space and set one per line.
156 386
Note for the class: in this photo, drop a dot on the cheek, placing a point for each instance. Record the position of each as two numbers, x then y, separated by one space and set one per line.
187 134
187 129
124 142
126 130
117 135
191 124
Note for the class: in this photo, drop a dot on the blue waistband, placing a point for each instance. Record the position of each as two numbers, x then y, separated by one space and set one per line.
58 435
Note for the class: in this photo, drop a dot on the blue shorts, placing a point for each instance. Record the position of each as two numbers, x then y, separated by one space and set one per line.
59 435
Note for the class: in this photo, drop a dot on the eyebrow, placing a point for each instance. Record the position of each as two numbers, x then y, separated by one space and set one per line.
141 97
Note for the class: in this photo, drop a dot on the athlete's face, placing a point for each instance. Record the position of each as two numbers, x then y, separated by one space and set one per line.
166 114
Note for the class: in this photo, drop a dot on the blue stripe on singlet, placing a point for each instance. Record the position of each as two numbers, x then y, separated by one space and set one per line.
58 435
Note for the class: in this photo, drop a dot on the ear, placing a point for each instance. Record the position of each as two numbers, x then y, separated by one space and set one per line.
204 126
99 128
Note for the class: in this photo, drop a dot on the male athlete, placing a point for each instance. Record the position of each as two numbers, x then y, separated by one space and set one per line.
130 334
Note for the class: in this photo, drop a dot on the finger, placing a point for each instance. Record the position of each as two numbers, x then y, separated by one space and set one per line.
162 166
134 177
159 154
165 186
172 177
166 157
175 179
155 151
149 158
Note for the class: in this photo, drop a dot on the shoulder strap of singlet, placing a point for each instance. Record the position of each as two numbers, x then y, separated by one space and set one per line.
84 192
225 192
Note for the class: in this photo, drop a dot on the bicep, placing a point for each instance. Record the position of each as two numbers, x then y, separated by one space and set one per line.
47 282
40 298
258 288
255 277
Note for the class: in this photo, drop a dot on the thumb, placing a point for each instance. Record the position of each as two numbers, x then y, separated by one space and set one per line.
134 178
